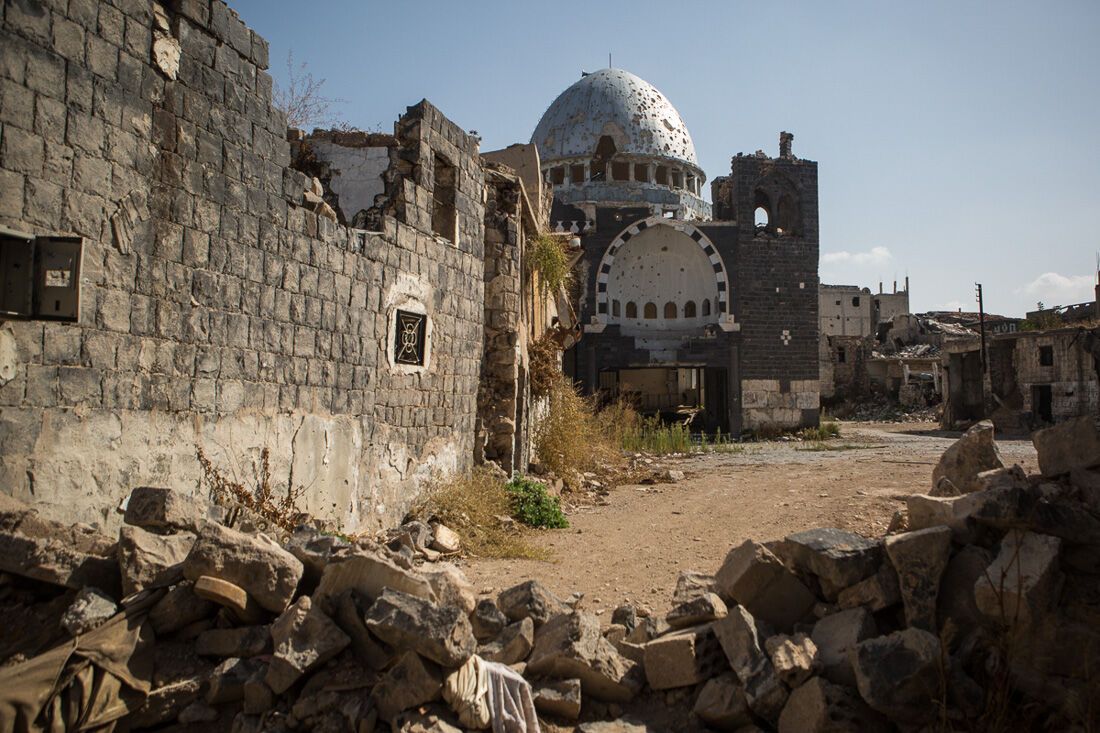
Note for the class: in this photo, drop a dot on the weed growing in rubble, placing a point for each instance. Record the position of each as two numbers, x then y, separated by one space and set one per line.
533 506
573 438
547 255
478 506
279 507
544 361
635 433
824 431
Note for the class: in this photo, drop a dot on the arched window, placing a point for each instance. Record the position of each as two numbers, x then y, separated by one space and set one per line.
650 310
689 309
760 217
706 306
631 309
615 308
670 310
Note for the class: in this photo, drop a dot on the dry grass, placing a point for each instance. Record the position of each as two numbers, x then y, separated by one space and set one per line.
279 507
478 507
573 438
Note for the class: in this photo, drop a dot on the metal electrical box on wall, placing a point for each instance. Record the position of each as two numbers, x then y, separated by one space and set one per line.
39 277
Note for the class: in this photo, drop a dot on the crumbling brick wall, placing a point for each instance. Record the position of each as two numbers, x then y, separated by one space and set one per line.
217 310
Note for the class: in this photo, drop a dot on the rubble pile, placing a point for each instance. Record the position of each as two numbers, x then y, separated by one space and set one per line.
985 605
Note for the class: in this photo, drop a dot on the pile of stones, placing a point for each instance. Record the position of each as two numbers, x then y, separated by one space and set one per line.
984 608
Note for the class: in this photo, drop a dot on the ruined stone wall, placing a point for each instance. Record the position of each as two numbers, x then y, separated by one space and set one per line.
1071 377
216 309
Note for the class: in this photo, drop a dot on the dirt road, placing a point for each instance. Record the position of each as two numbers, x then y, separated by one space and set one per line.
633 548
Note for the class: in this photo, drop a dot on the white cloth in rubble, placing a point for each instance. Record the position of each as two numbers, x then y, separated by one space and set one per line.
485 694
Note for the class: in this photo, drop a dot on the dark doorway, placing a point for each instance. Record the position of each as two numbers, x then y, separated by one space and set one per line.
1042 403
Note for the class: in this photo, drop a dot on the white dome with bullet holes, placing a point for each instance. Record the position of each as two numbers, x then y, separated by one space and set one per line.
615 103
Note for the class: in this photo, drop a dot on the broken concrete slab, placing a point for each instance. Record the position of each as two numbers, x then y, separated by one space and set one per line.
690 585
837 558
721 704
512 645
450 586
348 613
920 558
571 646
1019 586
559 698
180 607
699 610
164 510
241 641
226 683
899 675
835 635
742 641
975 452
819 706
445 539
410 682
755 578
256 563
440 633
683 658
369 574
304 638
146 559
794 658
1073 443
73 556
876 593
531 599
487 620
89 609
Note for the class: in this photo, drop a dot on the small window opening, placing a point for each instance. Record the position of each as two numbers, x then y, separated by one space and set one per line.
855 301
620 171
689 309
1046 356
669 214
444 214
691 184
841 355
760 217
706 307
615 308
557 175
631 309
670 310
641 172
576 174
661 175
650 311
677 179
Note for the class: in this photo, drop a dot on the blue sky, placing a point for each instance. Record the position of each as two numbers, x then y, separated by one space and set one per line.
956 141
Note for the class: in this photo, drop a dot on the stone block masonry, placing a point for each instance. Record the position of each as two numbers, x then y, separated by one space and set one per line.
217 309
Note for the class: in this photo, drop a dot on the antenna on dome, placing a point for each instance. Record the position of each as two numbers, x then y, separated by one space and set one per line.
609 60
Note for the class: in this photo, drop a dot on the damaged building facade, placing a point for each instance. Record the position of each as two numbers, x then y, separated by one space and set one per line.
175 278
689 309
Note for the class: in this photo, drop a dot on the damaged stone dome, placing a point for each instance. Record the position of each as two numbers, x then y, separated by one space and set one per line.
617 104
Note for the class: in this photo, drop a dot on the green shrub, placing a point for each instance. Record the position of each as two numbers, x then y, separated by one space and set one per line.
546 254
533 506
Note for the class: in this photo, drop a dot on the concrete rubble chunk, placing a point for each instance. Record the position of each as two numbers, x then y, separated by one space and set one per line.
899 675
571 646
742 642
314 550
256 563
165 510
487 620
147 559
970 455
369 574
512 645
920 558
626 616
835 557
411 681
73 556
699 610
226 683
819 706
445 539
304 638
691 584
683 658
1019 586
755 578
258 697
647 629
954 512
956 597
793 657
835 635
531 599
721 704
1087 483
1030 511
450 586
348 615
876 593
226 594
440 633
89 609
180 607
559 698
242 641
1073 443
